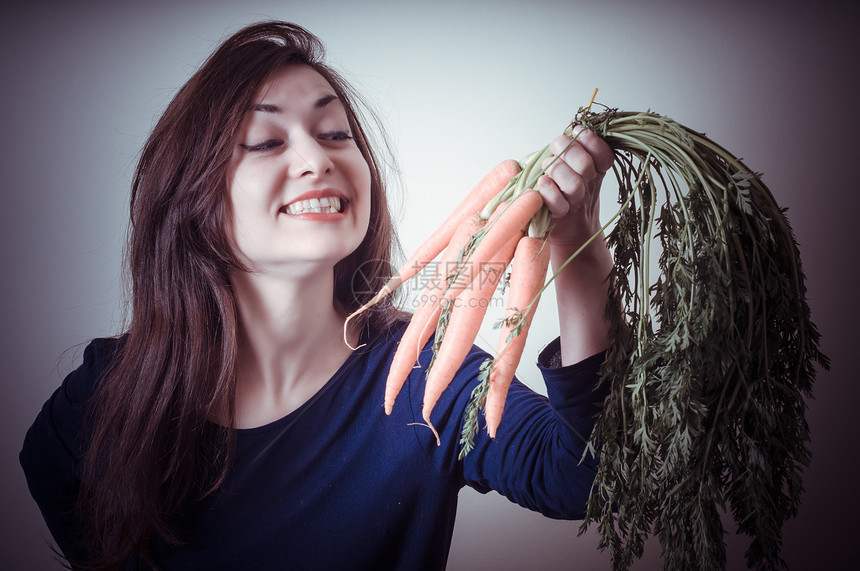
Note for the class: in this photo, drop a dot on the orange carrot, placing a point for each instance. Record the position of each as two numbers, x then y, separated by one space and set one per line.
487 188
421 324
528 272
465 321
510 218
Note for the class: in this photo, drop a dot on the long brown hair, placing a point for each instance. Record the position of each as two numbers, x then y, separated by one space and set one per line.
152 450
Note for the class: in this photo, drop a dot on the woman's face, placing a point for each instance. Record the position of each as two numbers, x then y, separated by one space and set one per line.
299 187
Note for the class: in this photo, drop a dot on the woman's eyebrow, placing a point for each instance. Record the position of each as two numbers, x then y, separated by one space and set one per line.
272 108
325 100
266 108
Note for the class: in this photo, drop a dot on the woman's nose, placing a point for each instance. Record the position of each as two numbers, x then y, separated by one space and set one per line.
309 157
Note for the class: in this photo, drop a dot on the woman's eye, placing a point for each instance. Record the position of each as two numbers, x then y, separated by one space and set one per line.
264 146
336 136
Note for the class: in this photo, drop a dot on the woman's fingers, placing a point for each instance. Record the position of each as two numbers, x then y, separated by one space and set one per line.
598 150
571 184
553 197
573 158
575 170
570 178
585 153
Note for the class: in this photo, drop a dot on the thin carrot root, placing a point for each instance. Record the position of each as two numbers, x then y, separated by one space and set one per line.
529 268
432 428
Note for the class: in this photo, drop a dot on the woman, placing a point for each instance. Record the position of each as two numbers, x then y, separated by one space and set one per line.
230 427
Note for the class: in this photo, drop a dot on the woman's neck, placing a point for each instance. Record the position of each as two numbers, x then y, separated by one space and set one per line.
290 343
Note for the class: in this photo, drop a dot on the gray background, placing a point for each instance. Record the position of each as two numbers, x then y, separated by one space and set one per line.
460 86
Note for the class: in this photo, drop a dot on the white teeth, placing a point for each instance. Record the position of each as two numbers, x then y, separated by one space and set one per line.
324 205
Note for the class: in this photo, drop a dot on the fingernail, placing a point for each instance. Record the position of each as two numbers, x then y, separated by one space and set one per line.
543 181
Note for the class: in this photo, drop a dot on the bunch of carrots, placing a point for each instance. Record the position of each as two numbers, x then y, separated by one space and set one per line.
501 222
494 226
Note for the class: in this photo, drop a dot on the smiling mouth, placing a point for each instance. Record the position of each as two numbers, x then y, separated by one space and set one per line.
323 205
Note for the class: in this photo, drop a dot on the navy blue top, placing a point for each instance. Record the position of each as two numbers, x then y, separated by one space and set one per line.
337 484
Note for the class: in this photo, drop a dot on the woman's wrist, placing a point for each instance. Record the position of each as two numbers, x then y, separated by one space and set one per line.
591 254
581 293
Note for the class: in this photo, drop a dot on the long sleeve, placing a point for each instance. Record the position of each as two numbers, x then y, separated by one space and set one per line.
538 458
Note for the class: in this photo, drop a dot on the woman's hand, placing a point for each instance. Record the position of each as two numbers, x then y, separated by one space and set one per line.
571 186
571 191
